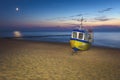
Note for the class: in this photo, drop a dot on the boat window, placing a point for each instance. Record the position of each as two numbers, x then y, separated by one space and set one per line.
74 35
80 36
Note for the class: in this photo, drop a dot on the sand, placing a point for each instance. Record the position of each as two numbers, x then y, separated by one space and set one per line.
28 60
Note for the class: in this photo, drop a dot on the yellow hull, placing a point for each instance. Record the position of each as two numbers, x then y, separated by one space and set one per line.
79 45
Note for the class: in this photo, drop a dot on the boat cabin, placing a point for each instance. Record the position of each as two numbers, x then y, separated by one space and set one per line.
81 35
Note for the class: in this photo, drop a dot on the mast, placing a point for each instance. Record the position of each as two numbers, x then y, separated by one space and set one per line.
81 24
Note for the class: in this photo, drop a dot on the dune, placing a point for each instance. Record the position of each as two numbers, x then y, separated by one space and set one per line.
29 60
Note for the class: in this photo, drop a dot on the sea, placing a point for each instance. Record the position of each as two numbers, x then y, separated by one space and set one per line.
107 39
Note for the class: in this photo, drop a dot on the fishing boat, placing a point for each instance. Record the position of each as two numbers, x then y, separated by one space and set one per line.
81 38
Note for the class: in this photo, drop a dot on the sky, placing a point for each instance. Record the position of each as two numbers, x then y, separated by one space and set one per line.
58 13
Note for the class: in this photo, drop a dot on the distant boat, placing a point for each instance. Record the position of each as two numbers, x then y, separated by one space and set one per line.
81 38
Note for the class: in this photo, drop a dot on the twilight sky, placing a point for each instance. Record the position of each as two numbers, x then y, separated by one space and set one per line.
62 13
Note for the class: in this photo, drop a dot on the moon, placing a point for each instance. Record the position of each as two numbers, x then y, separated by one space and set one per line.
17 9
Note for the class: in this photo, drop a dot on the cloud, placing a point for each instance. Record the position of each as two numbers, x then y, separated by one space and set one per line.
75 19
66 18
83 19
102 18
67 23
105 10
71 16
79 15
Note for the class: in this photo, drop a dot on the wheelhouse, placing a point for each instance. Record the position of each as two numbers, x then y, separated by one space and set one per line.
80 35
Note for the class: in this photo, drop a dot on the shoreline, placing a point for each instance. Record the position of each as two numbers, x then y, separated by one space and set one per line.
32 41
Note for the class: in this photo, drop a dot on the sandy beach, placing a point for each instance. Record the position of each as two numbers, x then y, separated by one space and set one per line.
28 60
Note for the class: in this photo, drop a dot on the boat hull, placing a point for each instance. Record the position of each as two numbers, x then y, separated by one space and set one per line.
79 45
